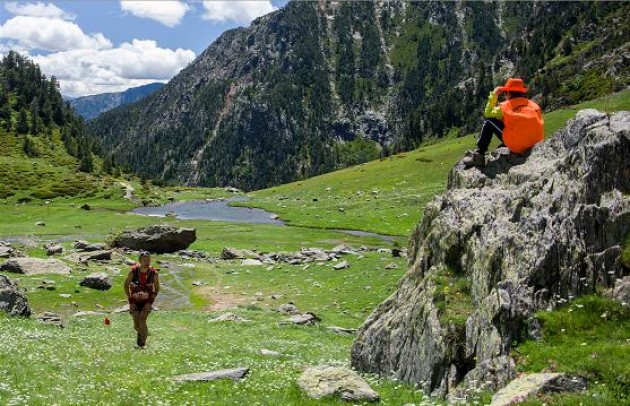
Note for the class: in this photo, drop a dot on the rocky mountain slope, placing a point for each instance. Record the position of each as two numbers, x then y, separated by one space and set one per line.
90 107
519 236
320 85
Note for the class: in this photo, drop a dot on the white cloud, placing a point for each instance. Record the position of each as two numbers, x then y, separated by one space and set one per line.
167 12
38 9
242 11
50 34
90 71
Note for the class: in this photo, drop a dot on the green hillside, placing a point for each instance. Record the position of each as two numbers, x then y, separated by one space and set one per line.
387 196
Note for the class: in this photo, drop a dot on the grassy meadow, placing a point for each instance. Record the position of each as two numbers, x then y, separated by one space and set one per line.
89 363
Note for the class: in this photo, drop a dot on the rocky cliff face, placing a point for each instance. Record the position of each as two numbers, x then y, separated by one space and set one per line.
521 235
319 85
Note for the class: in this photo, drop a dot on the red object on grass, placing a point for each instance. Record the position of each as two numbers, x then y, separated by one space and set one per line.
107 321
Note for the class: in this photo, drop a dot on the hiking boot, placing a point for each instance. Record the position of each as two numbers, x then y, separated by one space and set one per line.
474 159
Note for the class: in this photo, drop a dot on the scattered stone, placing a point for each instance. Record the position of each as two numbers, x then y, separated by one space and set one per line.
342 249
12 301
159 239
98 281
35 266
80 244
197 283
522 388
229 317
304 319
6 251
341 265
52 249
40 223
233 253
234 374
193 254
65 295
288 308
231 189
251 262
396 252
343 331
322 382
269 352
98 246
52 318
96 256
86 207
391 266
87 314
122 309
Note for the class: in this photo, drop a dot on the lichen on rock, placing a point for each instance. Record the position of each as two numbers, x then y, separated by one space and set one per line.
527 232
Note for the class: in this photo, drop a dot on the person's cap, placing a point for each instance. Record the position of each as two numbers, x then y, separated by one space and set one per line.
514 85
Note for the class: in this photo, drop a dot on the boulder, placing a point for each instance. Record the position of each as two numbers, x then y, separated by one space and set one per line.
304 319
96 256
97 246
98 281
341 265
80 244
6 251
530 385
12 300
233 374
158 239
323 382
288 308
35 266
52 249
527 232
233 253
86 207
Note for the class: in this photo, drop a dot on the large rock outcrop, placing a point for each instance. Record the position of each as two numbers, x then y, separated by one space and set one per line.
12 300
518 236
159 239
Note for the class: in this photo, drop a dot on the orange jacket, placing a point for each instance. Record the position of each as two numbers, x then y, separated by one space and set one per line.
523 124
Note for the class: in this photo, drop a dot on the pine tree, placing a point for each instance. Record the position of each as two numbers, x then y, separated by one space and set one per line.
22 126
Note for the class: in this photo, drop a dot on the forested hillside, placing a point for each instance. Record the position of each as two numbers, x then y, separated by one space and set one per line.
45 152
317 86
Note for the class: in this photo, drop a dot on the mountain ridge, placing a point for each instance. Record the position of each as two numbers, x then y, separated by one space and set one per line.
313 86
91 106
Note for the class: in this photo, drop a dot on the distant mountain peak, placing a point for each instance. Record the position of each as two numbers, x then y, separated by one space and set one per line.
90 107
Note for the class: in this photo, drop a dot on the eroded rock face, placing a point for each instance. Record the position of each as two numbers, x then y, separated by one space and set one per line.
35 266
12 300
524 233
158 239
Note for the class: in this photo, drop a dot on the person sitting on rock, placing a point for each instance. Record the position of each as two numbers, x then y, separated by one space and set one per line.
517 122
141 287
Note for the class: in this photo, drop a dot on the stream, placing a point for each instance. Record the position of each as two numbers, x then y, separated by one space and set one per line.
220 210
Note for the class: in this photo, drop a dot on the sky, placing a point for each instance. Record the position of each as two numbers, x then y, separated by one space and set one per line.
101 46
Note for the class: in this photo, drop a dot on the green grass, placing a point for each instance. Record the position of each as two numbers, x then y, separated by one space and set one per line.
89 363
588 337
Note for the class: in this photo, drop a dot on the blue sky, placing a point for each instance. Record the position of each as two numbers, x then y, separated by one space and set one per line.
98 46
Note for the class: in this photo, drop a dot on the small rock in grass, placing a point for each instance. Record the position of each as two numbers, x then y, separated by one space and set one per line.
391 266
304 319
322 382
341 265
40 223
342 330
234 374
229 317
98 281
269 352
288 308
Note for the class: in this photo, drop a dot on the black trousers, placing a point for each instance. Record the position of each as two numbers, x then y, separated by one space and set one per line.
491 126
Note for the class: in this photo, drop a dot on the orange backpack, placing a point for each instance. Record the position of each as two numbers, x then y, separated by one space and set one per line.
523 124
